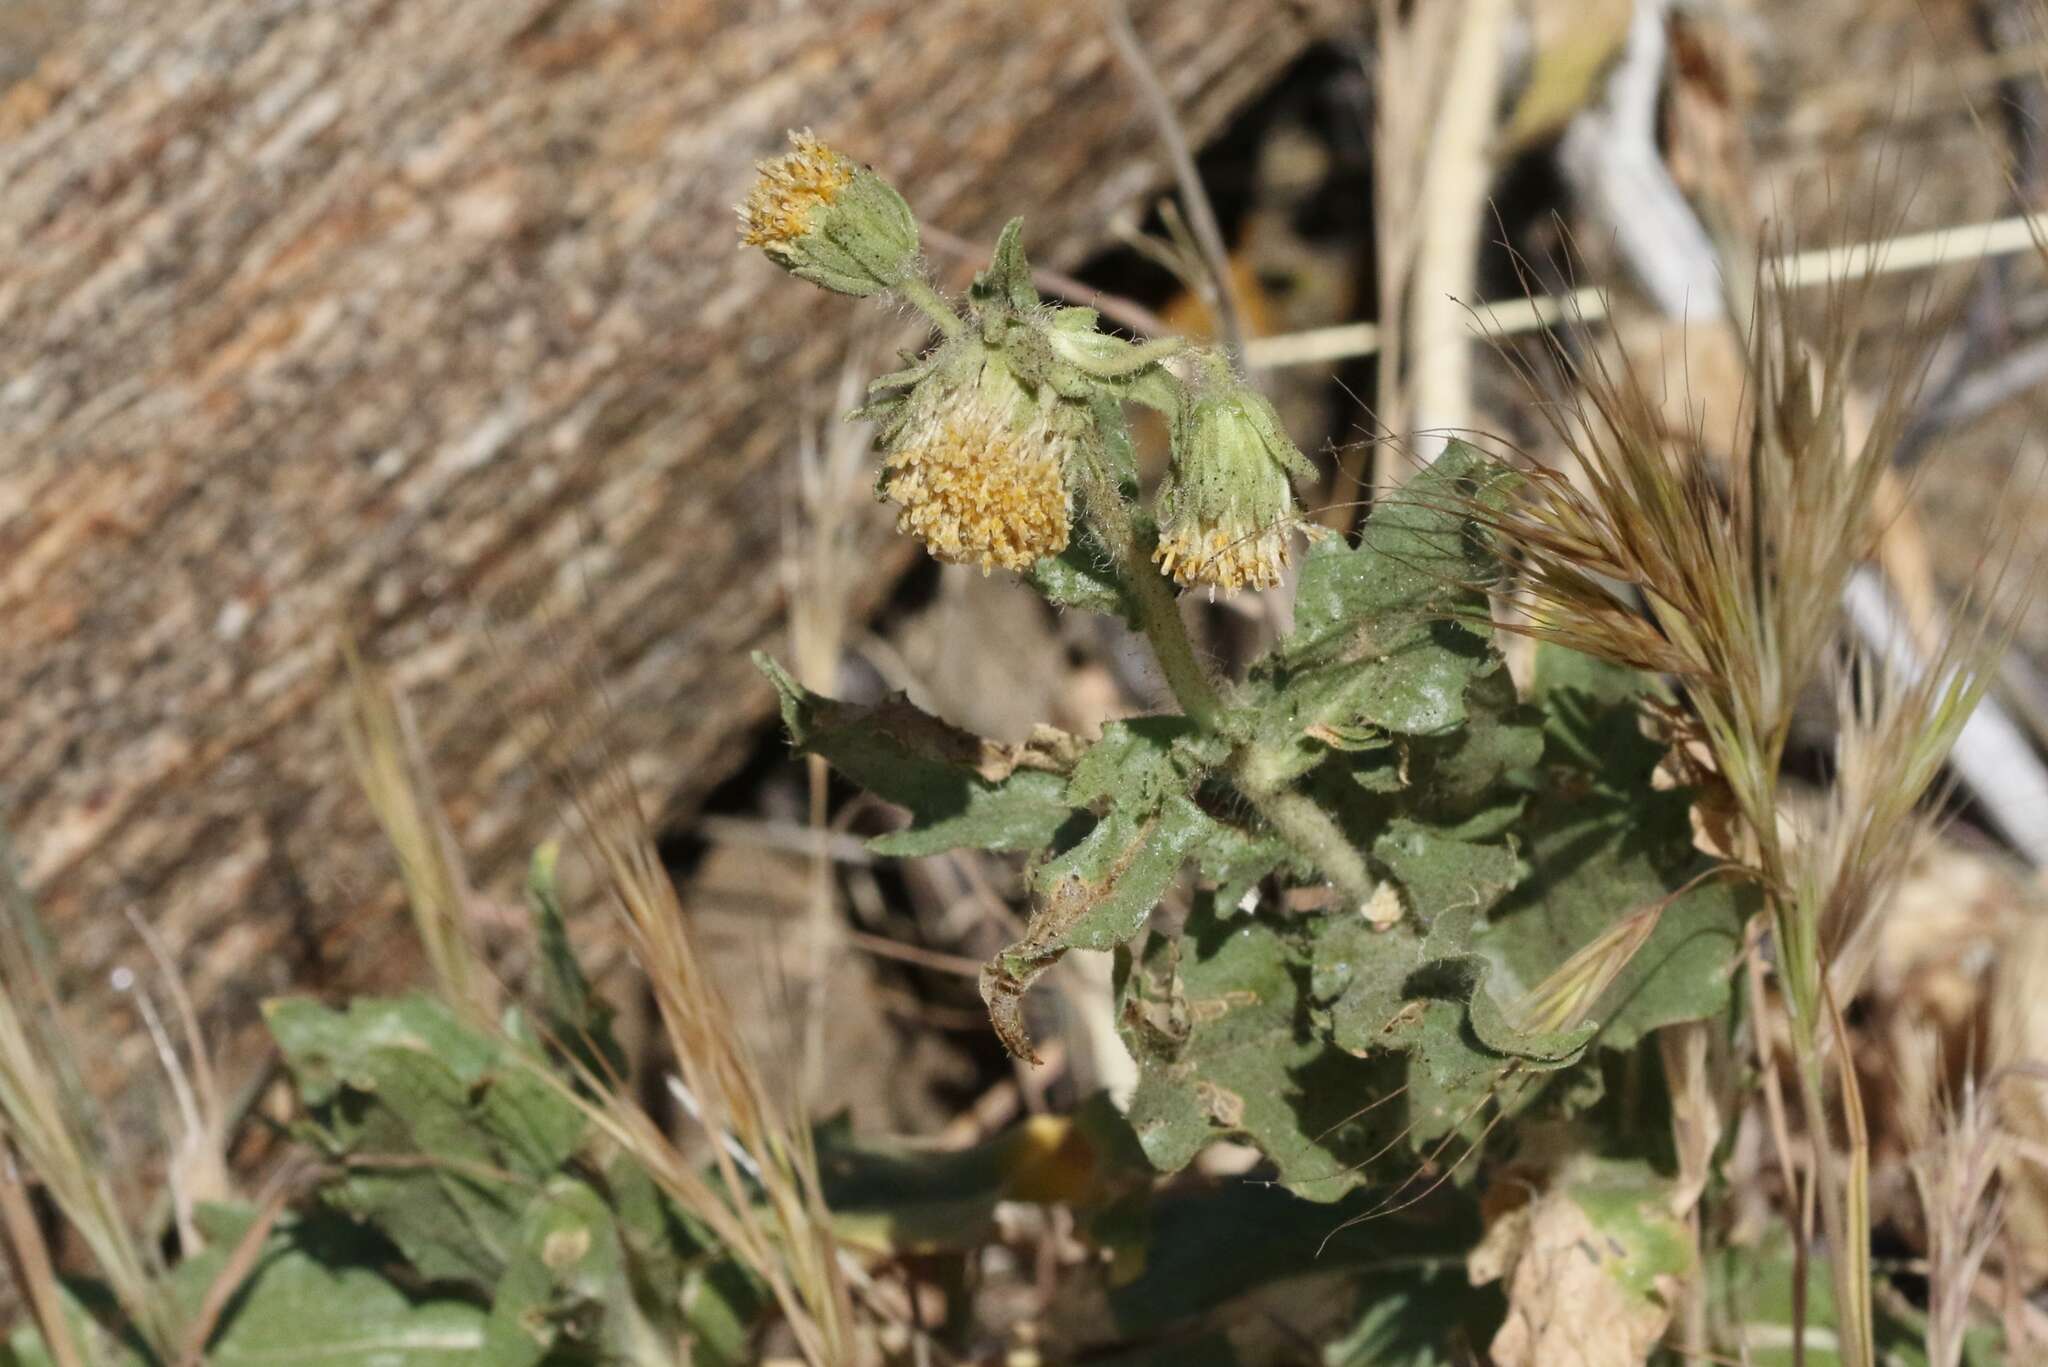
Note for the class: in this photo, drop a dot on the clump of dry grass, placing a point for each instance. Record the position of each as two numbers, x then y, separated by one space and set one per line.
760 1140
48 1128
1733 581
762 1198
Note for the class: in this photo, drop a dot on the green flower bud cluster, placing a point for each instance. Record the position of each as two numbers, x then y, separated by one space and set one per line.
981 438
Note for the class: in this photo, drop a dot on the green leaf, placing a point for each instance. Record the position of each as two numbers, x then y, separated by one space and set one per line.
1137 765
1271 1236
578 1019
1083 576
450 1135
1007 280
1462 1075
1233 860
326 1049
315 1299
1501 739
685 1283
567 1292
1751 1289
1433 1317
1094 895
24 1347
1220 1024
1374 982
962 790
1389 635
1602 844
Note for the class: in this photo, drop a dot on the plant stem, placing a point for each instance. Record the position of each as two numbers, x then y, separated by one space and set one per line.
1303 823
1844 1195
1153 603
932 305
1296 817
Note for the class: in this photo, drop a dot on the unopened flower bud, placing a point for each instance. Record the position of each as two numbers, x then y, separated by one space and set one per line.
1226 510
978 471
823 218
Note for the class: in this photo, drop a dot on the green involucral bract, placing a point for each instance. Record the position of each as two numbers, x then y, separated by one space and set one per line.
1226 510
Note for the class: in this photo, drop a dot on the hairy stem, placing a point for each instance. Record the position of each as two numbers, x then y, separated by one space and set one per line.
932 305
1152 600
1296 817
1303 824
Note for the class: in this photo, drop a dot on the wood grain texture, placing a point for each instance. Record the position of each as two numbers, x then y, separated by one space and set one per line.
313 309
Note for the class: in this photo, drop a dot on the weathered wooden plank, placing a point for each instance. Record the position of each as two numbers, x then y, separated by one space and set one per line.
313 308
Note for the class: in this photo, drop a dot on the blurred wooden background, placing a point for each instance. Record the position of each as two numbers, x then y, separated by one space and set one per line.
415 315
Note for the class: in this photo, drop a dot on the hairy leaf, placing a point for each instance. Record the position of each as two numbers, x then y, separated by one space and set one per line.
1083 576
1383 641
448 1136
314 1296
567 1289
1007 281
962 790
1220 1024
1604 845
1094 895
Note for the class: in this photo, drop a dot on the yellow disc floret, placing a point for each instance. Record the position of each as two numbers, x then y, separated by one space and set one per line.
790 191
1228 553
977 487
1226 511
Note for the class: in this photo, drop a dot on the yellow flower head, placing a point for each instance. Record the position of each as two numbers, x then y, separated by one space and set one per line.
1227 510
822 218
1230 552
790 191
977 486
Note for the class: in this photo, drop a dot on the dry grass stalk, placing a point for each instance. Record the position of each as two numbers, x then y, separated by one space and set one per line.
1451 212
758 1145
832 535
28 1258
198 1167
241 1262
48 1121
1562 999
384 750
789 1244
1411 50
1742 574
1217 282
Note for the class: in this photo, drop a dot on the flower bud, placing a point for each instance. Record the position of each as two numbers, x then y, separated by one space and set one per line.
823 218
978 469
1226 509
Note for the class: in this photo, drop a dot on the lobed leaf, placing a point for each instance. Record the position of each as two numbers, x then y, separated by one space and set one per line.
1220 1024
962 791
